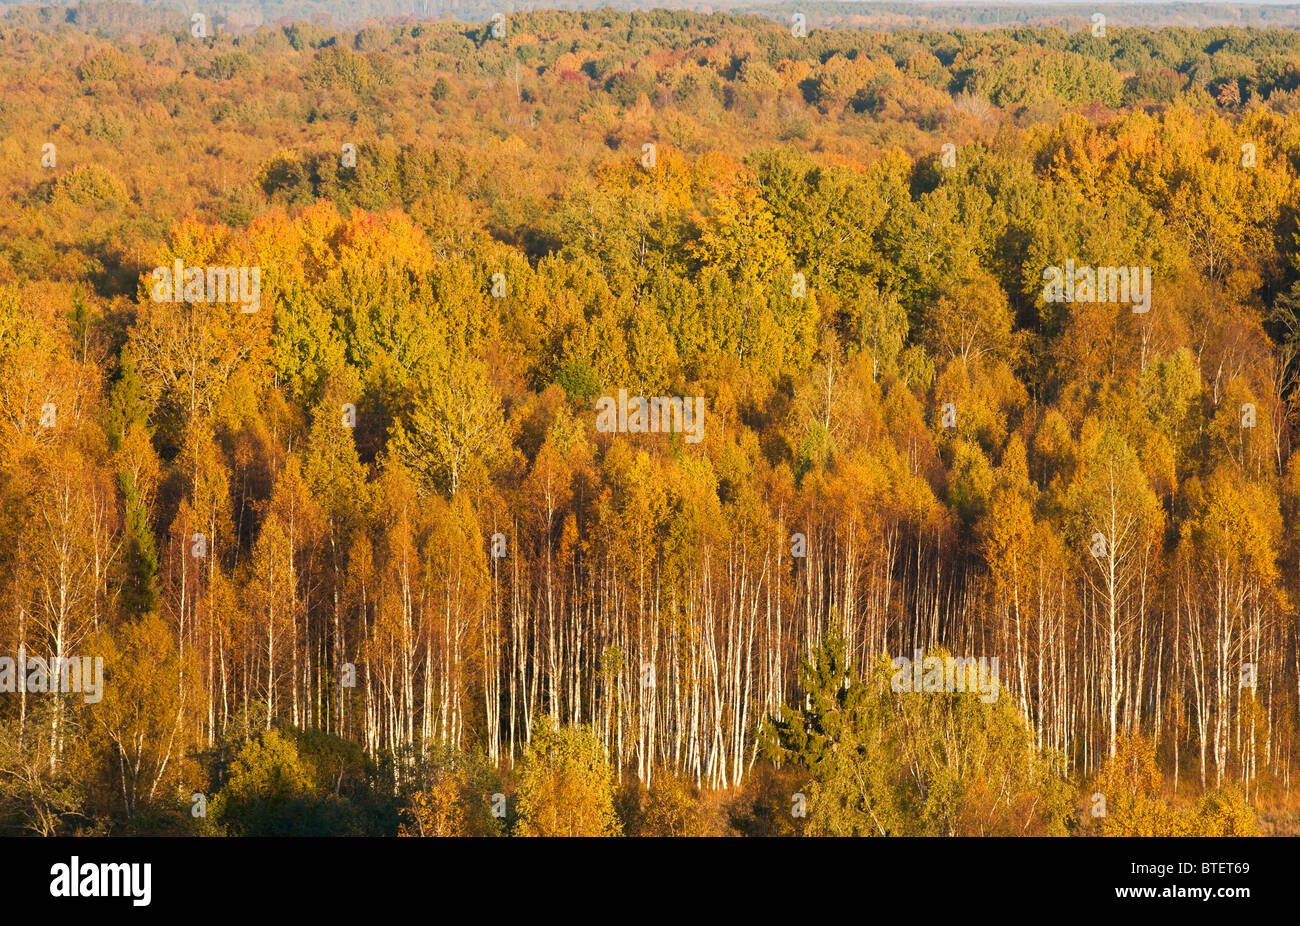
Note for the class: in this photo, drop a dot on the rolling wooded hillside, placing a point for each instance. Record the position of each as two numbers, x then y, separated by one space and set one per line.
357 548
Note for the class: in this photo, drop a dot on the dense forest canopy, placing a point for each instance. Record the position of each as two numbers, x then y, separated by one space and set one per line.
358 554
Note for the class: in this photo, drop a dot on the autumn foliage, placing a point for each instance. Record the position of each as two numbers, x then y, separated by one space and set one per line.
361 561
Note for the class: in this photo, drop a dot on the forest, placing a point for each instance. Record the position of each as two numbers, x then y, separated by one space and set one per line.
326 357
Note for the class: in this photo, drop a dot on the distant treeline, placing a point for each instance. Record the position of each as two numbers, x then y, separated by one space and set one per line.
116 16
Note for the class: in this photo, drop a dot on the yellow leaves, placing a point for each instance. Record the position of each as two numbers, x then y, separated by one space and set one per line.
1131 784
983 401
153 696
391 239
435 811
674 808
136 456
1238 525
740 235
840 77
47 391
195 242
509 149
453 225
106 64
1223 813
971 320
793 72
1077 153
1008 533
1221 206
272 242
840 402
1160 463
88 185
568 61
317 227
672 180
565 785
1131 771
325 241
